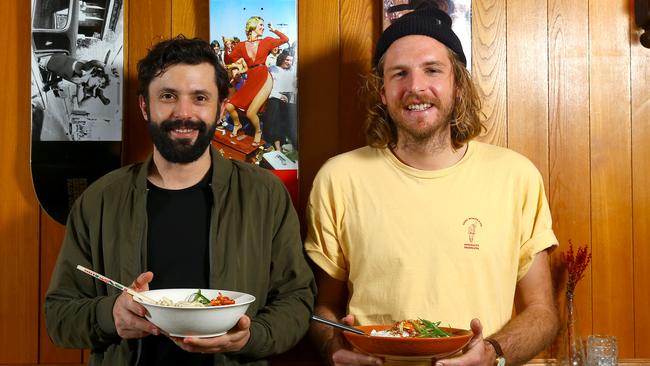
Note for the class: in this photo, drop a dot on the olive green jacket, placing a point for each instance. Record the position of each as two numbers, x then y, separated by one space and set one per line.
255 247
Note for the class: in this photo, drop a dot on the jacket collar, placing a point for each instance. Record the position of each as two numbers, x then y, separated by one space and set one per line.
221 171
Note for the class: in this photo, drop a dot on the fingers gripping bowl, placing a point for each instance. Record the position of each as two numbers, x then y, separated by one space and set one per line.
209 321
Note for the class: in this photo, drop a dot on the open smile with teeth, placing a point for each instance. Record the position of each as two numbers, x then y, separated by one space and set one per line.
184 131
418 107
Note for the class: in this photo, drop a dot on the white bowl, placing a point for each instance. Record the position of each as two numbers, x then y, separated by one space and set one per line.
211 321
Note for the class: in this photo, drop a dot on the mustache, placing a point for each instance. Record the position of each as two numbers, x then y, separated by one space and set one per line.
173 124
415 98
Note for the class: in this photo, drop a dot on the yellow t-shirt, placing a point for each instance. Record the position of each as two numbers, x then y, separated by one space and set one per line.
447 245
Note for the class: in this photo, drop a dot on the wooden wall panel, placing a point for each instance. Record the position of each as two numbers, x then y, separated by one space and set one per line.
640 78
318 87
18 207
611 174
489 65
357 17
569 168
527 70
51 238
150 21
185 20
319 55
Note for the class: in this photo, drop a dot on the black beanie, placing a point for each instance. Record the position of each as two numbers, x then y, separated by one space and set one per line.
430 22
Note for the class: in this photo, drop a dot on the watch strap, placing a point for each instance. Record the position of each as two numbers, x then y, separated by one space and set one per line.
496 345
500 359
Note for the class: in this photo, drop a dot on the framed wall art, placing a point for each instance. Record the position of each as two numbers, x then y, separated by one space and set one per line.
257 42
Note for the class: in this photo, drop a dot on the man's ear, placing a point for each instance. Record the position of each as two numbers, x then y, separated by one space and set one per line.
142 102
382 94
222 108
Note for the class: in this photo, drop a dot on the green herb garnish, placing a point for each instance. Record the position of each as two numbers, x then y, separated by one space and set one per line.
198 296
430 329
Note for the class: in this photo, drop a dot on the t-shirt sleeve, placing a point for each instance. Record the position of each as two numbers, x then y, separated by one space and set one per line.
537 225
324 214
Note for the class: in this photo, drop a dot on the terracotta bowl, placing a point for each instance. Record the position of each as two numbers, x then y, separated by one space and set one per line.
408 347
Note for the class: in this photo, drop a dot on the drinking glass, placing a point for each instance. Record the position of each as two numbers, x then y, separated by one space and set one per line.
602 350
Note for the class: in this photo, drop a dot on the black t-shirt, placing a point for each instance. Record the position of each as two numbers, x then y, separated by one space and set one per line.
178 229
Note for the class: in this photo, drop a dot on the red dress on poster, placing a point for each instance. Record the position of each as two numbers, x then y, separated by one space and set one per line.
257 73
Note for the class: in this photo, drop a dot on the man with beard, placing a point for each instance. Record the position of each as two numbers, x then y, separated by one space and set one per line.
185 218
426 222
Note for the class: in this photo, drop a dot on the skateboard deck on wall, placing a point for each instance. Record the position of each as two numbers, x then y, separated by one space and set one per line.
76 99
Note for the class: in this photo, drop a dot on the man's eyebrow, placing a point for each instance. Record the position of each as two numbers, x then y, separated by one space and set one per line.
201 91
169 90
194 91
433 63
424 64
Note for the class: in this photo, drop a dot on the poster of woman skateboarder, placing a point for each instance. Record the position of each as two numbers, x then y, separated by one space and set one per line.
76 97
257 42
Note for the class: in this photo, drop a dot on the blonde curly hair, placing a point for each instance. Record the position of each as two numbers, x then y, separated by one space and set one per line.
465 122
251 24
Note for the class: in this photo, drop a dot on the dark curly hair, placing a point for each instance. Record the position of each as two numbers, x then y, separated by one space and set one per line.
281 57
466 116
179 50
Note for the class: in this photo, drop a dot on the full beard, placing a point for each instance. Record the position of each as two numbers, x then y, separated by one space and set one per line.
182 150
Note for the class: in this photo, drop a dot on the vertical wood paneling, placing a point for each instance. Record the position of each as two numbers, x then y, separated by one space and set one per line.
570 65
190 17
18 207
489 65
569 181
640 77
357 17
527 70
318 86
51 238
150 22
611 183
318 111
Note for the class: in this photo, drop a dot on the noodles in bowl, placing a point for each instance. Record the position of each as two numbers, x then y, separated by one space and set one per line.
196 300
177 314
420 328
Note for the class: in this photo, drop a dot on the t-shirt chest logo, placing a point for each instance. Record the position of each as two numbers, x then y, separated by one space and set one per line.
472 227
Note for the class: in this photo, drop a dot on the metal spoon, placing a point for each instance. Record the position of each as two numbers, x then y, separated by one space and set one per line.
337 325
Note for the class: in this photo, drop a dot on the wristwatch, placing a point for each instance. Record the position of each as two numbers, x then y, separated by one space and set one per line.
500 360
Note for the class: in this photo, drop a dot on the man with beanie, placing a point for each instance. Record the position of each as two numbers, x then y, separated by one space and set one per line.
426 222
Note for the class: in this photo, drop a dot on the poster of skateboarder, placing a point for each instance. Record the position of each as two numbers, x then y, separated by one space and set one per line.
460 12
257 42
77 70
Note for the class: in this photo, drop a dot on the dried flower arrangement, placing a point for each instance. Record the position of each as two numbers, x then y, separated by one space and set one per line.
576 264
